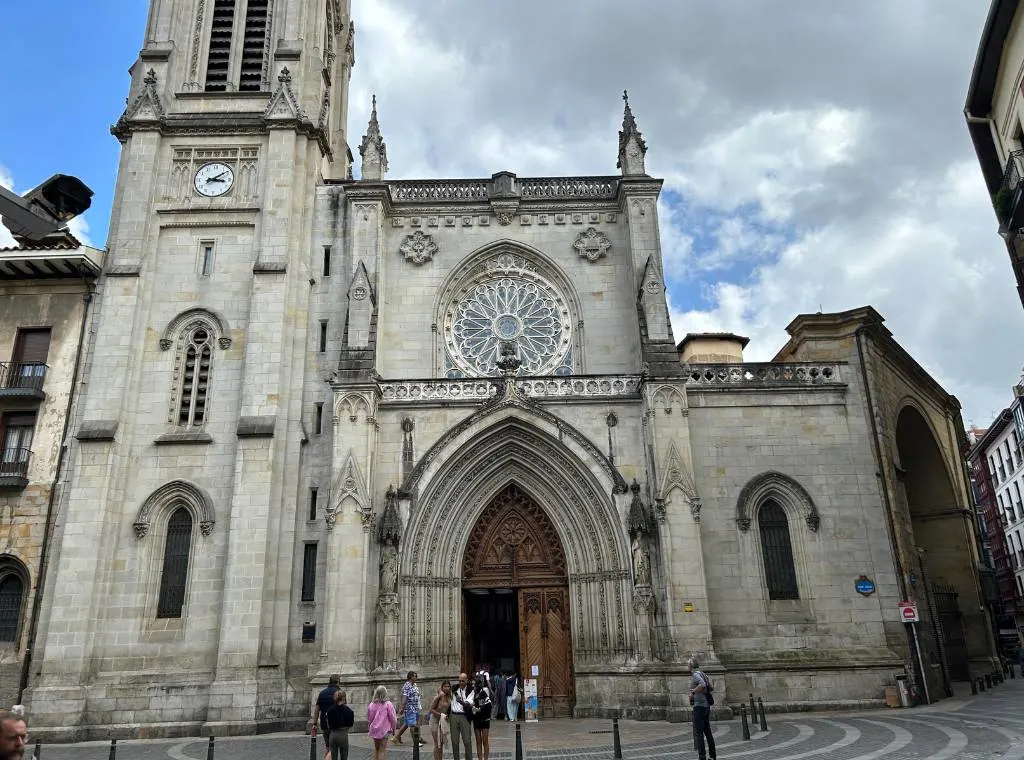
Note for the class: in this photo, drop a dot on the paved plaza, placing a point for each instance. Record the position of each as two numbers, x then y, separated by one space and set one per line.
990 725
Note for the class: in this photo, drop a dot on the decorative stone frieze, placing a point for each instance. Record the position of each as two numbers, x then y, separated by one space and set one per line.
418 248
765 374
433 391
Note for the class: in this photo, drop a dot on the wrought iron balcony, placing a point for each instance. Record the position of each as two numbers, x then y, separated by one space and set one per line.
1008 202
14 467
22 380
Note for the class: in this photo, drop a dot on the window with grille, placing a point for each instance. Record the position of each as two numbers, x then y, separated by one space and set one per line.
309 573
174 576
777 550
195 376
12 591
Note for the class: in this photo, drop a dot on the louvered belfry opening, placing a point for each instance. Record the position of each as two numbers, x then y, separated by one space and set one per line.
195 380
218 62
254 46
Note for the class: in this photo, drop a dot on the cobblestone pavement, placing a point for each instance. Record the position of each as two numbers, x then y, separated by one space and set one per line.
990 725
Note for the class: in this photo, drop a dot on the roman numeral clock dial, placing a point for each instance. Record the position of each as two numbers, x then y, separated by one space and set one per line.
214 179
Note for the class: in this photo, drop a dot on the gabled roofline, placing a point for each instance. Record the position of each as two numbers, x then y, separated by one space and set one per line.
999 424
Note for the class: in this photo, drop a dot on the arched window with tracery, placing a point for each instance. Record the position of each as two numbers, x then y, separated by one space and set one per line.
12 595
777 551
174 575
194 375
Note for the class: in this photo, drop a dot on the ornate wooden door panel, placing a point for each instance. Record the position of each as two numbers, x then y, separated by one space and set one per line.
545 641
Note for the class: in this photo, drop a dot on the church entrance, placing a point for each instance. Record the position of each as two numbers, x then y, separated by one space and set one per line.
516 599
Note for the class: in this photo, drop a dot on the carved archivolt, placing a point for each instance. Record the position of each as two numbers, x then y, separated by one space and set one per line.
170 496
783 489
217 325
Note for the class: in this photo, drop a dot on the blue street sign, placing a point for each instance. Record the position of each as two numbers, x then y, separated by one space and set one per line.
864 585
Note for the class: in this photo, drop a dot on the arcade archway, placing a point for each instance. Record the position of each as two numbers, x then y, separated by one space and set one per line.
516 598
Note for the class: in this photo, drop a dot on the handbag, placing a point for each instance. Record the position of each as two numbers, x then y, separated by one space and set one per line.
708 690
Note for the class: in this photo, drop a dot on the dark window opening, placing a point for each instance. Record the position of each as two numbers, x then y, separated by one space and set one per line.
12 591
174 577
253 46
207 266
777 550
312 503
318 419
218 60
327 261
323 336
309 573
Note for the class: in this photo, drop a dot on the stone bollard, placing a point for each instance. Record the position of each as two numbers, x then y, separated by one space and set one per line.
113 750
519 741
760 707
209 749
981 684
743 720
1012 669
616 740
312 747
974 687
988 680
753 713
415 743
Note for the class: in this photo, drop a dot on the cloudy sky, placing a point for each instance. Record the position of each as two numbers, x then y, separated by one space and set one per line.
814 154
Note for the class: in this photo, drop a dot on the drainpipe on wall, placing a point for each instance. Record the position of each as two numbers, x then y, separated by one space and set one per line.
37 598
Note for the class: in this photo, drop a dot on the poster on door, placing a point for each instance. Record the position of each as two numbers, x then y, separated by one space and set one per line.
530 696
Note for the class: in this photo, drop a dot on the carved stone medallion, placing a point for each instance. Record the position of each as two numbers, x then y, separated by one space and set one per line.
592 244
418 248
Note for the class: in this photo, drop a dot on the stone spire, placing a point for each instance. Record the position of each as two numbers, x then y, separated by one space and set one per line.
373 150
632 147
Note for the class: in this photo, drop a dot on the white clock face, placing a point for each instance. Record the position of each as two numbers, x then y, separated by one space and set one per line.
214 179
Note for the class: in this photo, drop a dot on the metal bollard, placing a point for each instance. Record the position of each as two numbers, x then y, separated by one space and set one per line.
760 707
39 751
209 750
753 713
415 743
312 747
981 684
988 680
974 687
1012 673
743 720
616 741
113 750
519 741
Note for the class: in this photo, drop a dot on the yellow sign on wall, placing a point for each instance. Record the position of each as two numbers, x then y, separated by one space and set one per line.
687 606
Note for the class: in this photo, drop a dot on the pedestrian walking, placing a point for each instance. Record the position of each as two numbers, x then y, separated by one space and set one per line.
324 702
382 722
340 719
498 687
483 705
461 714
513 696
439 710
410 706
702 698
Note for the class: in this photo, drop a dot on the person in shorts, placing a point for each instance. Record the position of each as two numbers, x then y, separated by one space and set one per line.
410 706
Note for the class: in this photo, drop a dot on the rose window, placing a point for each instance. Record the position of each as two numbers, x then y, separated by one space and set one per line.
514 307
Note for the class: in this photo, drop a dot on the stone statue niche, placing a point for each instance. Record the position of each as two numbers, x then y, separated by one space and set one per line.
638 523
389 537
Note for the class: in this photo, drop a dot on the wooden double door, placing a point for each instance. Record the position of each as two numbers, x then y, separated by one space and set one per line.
514 572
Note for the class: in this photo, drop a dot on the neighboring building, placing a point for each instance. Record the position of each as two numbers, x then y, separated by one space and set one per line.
995 115
366 426
997 471
45 292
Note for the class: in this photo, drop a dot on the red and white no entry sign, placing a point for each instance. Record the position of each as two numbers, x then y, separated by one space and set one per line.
908 612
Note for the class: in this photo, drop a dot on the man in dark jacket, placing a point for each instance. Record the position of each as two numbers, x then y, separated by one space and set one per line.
324 702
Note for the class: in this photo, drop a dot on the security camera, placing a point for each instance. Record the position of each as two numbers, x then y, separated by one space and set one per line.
44 209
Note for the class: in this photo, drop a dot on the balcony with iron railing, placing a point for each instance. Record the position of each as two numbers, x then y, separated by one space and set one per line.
1008 202
14 464
22 380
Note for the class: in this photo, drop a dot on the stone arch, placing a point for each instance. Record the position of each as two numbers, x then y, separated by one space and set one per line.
350 405
12 619
208 317
168 497
665 398
456 490
786 491
478 265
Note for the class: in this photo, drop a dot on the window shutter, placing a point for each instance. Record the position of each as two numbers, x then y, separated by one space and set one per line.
174 577
777 550
32 346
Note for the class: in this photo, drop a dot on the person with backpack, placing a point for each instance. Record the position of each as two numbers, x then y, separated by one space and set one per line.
702 698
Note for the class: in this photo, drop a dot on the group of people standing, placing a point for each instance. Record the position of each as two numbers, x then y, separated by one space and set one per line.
457 715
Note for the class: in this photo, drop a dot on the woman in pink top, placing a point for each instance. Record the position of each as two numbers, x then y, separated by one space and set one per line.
380 714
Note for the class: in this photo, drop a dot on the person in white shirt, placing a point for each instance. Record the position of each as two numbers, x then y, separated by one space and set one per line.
461 715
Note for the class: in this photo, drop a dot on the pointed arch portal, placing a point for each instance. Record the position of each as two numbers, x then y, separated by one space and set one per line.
516 597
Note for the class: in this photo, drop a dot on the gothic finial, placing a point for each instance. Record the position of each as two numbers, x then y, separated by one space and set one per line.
636 520
373 150
150 77
632 147
390 529
285 76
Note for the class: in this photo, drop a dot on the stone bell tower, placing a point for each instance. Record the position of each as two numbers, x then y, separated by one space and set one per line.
175 558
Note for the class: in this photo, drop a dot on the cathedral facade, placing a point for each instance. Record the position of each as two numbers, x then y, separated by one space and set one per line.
362 426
